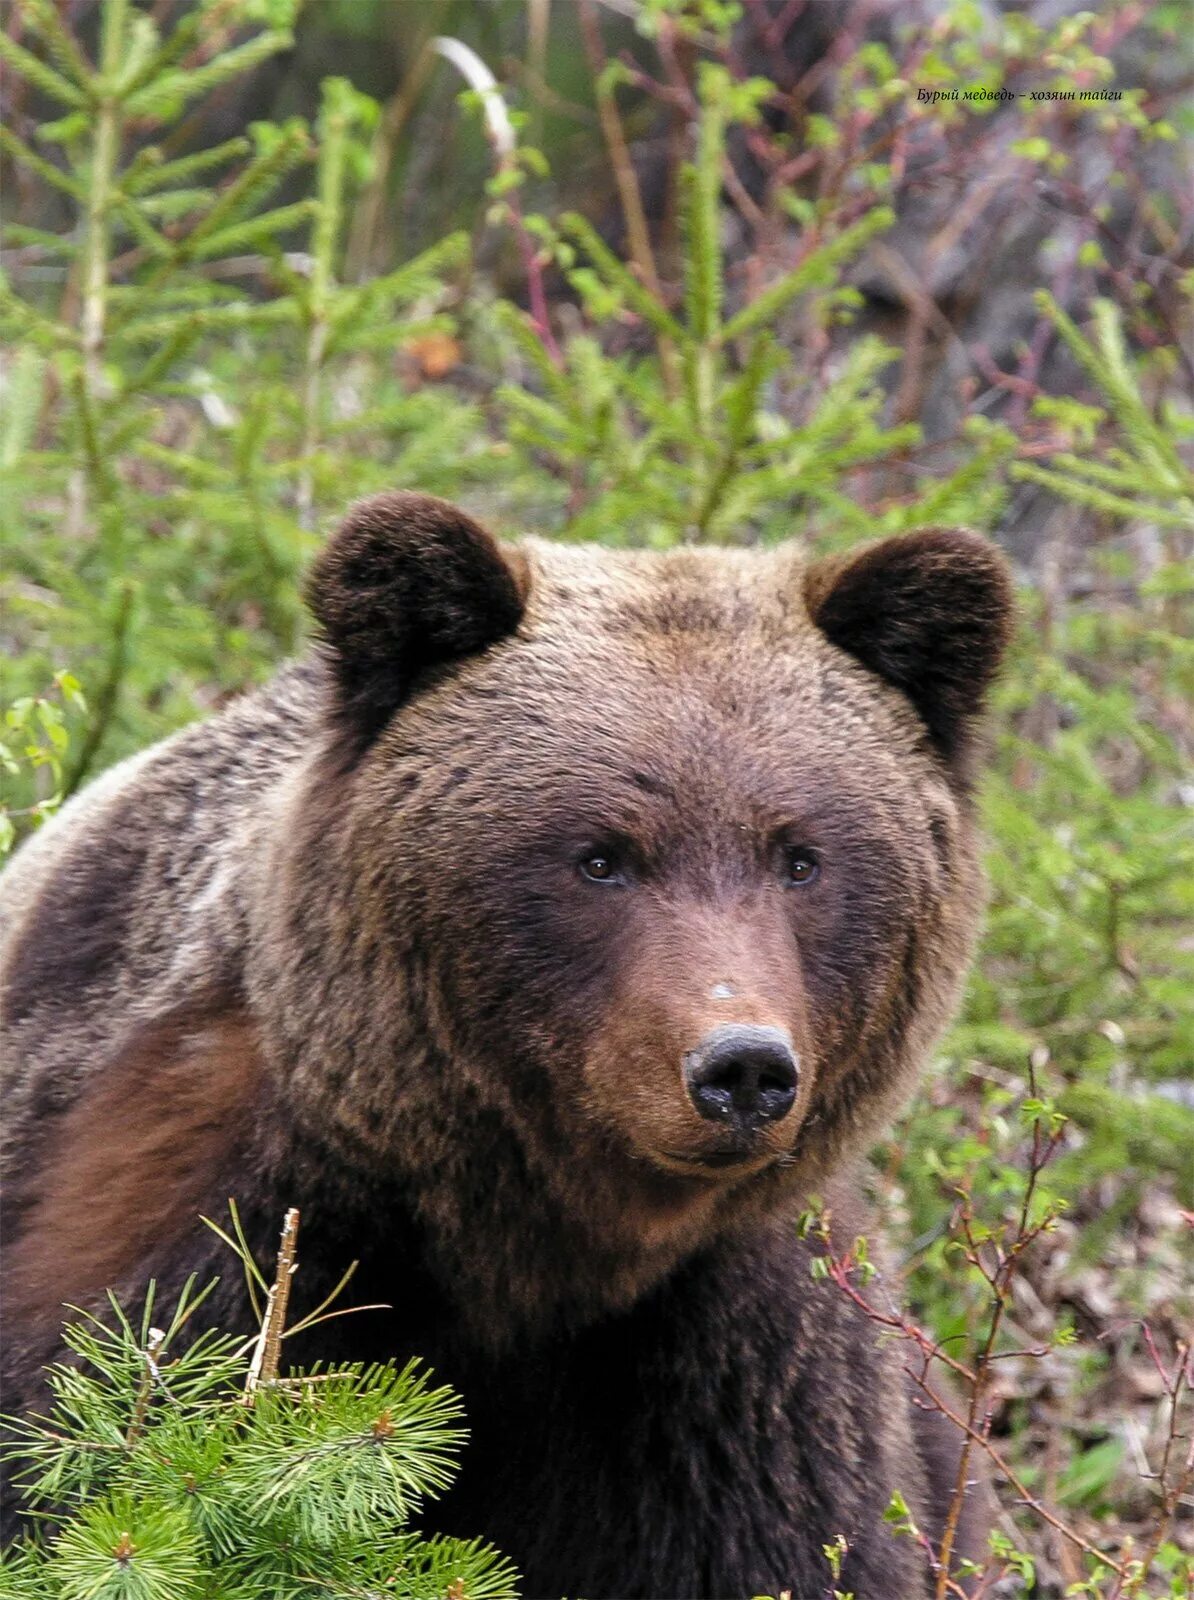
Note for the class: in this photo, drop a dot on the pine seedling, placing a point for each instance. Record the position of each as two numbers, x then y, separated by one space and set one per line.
143 256
337 317
129 199
171 1464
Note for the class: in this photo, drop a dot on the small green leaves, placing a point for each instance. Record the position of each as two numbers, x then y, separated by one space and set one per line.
35 735
1017 1560
898 1517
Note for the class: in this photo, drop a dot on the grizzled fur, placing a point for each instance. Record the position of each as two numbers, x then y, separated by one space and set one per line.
335 948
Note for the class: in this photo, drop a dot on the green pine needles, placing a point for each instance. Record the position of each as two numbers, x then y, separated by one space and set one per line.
684 442
195 386
170 1468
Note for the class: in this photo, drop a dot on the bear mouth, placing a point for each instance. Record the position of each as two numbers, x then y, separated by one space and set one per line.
720 1160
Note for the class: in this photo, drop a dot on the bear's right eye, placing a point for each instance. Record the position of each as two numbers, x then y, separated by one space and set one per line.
599 868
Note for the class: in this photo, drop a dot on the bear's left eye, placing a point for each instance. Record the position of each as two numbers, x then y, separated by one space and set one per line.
800 864
600 867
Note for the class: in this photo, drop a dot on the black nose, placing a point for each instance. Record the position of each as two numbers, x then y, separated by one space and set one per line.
742 1076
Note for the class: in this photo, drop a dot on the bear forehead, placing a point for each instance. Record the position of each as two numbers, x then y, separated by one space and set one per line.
699 640
694 676
649 595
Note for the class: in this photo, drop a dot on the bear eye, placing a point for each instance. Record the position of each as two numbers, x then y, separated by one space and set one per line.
800 864
599 867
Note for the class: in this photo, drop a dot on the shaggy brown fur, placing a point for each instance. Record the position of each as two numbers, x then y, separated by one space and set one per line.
130 1162
463 1055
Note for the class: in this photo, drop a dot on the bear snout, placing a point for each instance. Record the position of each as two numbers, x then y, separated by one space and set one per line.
743 1077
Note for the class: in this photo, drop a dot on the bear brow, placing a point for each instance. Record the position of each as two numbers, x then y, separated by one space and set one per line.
651 783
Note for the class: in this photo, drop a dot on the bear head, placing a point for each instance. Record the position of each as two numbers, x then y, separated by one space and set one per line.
628 889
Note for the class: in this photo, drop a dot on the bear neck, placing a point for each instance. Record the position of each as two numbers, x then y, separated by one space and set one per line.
515 1252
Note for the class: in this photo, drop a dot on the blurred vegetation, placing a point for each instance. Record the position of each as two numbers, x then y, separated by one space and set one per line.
219 330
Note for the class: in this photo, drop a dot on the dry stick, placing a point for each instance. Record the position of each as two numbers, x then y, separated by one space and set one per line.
638 234
96 240
538 33
1183 1375
367 217
1170 1497
157 1337
1063 1554
263 1369
323 247
500 132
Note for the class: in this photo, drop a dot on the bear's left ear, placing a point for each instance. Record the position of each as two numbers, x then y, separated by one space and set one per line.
408 583
930 613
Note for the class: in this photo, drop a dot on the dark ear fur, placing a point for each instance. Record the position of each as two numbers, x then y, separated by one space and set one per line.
931 613
408 583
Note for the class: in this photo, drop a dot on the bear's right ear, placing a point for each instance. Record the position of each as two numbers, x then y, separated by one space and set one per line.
932 614
408 583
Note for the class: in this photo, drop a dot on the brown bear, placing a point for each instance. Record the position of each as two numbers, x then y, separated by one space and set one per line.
545 936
